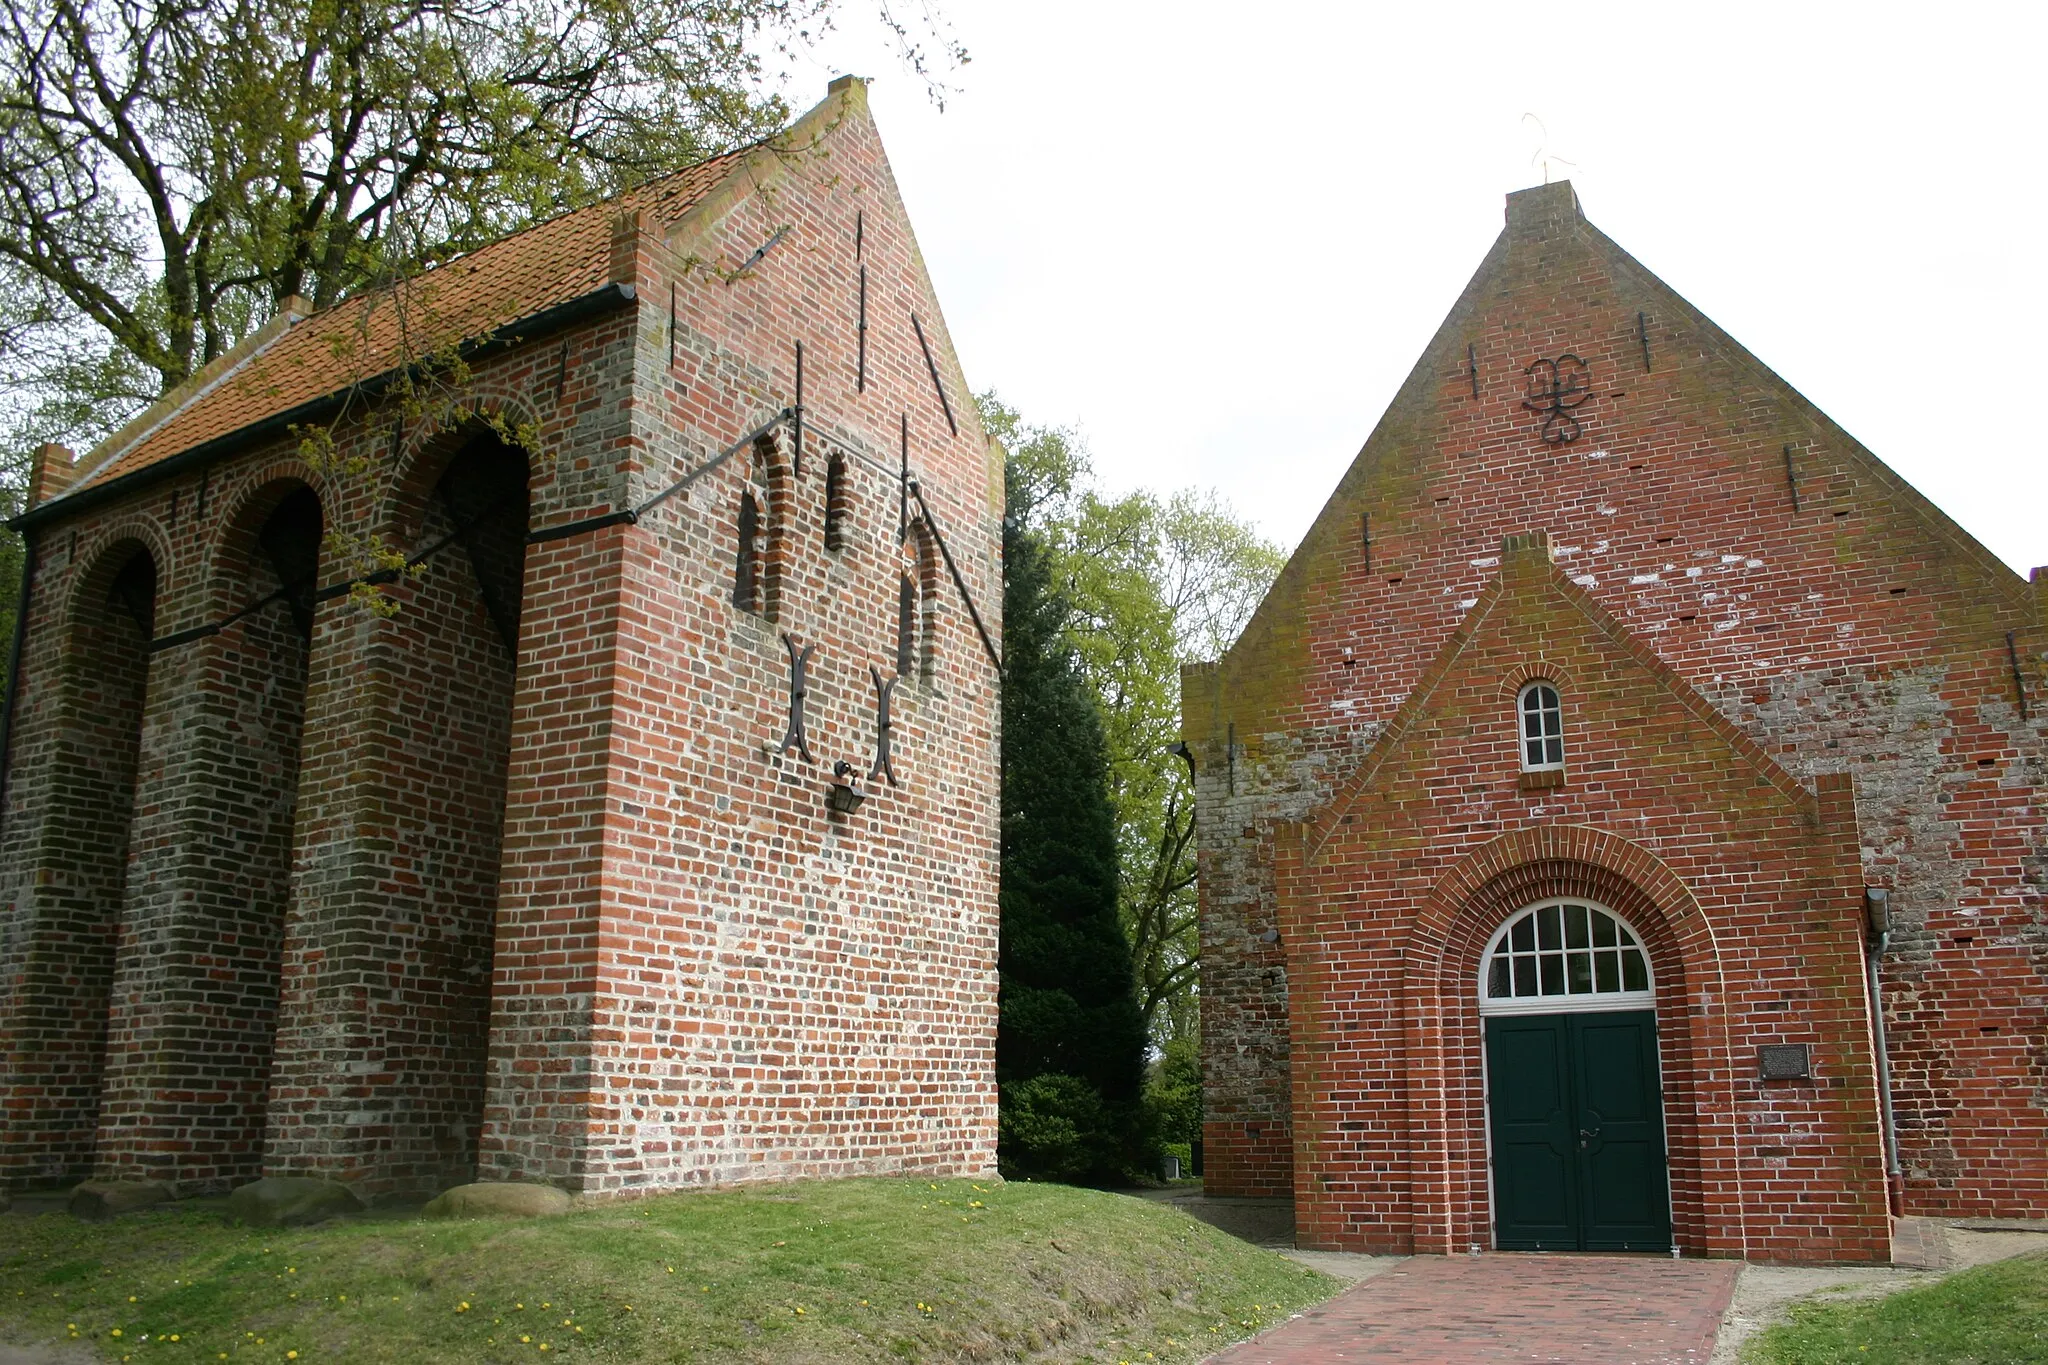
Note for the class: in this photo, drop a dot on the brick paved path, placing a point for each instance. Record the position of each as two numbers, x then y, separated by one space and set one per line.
1508 1307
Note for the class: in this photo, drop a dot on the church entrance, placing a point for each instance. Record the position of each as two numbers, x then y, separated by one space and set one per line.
1574 1102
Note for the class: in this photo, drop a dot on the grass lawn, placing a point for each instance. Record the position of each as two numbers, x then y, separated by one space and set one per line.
1993 1315
850 1270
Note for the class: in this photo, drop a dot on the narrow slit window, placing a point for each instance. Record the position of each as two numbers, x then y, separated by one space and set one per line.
836 500
1542 720
906 628
746 576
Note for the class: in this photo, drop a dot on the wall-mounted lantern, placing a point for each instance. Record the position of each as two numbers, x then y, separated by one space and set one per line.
844 795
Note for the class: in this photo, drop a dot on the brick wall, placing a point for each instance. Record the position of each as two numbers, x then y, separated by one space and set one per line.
1775 566
777 990
405 902
78 753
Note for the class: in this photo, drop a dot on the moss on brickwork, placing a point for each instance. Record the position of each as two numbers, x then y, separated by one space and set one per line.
1808 605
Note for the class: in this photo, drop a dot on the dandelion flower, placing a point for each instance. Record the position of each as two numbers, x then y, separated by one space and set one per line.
116 1332
525 1340
174 1336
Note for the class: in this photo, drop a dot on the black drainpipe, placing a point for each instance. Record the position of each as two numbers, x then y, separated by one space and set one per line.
14 649
1877 940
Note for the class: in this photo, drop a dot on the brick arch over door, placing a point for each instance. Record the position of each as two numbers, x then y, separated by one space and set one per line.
1452 1177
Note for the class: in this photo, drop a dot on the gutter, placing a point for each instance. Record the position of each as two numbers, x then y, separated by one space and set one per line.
599 302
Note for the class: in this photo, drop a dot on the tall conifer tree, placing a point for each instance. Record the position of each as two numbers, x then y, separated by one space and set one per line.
1070 1047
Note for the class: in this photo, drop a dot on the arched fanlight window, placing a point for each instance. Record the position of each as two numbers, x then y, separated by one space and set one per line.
1542 718
1560 955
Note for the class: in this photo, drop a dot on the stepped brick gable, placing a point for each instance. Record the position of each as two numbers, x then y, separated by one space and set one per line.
530 878
1800 717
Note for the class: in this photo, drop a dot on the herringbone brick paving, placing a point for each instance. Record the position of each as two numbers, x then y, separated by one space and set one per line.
1527 1309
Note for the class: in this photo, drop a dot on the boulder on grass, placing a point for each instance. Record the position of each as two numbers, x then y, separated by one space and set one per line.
98 1200
290 1202
499 1198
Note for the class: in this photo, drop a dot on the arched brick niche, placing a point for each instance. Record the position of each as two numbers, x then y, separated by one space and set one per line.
1452 1206
194 1005
388 956
55 1016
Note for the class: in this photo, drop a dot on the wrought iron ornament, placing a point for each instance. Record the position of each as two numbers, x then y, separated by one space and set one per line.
1556 387
794 742
883 726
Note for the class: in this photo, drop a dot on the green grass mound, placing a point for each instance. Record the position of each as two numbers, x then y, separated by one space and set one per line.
846 1270
1993 1315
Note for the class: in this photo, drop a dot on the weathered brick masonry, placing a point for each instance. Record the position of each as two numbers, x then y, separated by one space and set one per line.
520 880
1784 677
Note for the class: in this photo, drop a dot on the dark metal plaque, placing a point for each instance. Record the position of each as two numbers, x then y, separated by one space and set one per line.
1783 1062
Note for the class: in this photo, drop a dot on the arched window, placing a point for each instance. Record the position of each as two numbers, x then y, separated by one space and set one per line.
1564 955
838 500
1542 728
746 575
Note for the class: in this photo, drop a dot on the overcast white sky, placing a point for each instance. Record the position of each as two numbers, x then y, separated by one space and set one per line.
1215 237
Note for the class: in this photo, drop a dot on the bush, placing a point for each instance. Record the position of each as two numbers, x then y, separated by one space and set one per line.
1056 1127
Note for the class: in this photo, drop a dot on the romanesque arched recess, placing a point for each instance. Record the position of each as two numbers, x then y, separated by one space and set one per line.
389 953
66 916
195 998
1455 922
416 456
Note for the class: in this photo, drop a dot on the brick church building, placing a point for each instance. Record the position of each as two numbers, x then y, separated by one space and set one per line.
1621 824
649 841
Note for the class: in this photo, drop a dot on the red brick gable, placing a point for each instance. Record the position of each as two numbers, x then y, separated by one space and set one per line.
1728 536
1545 595
1745 886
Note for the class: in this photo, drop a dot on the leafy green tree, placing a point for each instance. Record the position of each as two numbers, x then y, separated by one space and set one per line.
1149 583
1070 1043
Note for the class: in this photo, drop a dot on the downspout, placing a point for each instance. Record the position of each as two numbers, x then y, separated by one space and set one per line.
1878 940
14 652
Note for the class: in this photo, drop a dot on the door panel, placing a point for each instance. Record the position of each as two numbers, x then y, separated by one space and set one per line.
1614 1061
1535 1190
1578 1132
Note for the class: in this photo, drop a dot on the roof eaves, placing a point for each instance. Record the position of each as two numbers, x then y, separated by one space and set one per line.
160 414
599 301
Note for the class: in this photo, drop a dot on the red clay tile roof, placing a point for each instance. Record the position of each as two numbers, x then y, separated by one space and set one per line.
536 268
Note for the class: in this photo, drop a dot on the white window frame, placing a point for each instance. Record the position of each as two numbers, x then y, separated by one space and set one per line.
1568 1003
1547 740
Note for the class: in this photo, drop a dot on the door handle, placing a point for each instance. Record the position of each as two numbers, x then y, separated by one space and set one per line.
1586 1135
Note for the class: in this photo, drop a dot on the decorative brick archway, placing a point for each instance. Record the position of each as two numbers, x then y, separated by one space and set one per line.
1451 1208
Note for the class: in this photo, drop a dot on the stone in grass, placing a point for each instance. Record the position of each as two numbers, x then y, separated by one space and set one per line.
98 1200
493 1198
290 1202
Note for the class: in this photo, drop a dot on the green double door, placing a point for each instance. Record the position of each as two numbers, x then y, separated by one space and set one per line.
1578 1132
